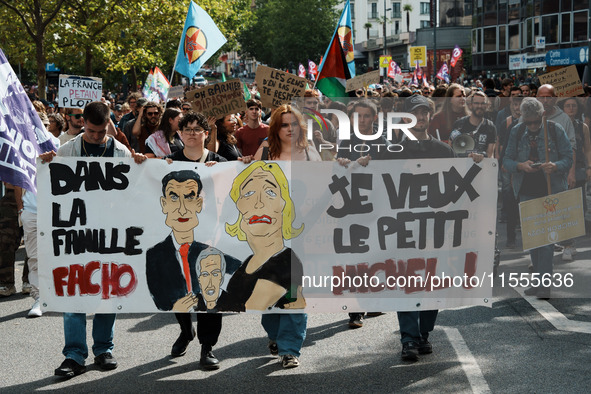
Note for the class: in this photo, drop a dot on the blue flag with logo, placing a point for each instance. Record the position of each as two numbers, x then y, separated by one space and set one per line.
22 135
201 38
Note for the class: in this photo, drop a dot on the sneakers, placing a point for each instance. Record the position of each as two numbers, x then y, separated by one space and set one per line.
290 361
273 348
27 288
425 346
6 291
35 310
568 253
69 368
106 361
410 351
355 320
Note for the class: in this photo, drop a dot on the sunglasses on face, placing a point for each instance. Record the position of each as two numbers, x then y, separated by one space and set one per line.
75 116
151 113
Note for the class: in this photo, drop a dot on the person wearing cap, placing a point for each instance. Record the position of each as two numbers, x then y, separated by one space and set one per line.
415 326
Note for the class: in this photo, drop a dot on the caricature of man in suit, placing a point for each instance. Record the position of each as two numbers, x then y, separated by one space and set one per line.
170 265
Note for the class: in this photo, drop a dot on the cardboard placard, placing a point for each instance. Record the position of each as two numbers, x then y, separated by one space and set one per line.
176 92
76 91
278 87
364 80
551 219
219 100
566 81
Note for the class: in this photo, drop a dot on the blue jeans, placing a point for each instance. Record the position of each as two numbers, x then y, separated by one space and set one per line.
75 335
287 329
416 325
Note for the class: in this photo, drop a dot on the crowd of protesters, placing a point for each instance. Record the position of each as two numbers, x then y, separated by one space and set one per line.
502 120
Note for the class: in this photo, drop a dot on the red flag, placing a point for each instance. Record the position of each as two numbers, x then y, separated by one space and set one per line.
455 56
301 71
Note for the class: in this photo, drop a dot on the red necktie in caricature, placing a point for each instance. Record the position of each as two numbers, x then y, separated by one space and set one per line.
184 251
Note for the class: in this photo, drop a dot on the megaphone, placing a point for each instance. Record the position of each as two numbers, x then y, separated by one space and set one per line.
462 144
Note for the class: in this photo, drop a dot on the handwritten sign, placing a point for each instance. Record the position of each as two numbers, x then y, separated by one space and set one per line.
75 91
566 81
278 87
218 100
176 92
363 80
551 219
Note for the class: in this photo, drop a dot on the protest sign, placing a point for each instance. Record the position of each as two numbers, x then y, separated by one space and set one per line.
277 87
382 237
176 92
75 91
363 80
418 54
566 81
219 100
551 219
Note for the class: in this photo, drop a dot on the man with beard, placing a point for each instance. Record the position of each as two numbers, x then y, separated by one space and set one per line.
147 122
482 130
75 124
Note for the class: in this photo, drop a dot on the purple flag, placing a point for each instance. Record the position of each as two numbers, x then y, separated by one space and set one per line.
22 135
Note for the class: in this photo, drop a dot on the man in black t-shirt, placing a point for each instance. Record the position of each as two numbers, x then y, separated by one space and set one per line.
475 125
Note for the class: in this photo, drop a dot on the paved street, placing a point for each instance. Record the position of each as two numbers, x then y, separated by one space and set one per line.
518 345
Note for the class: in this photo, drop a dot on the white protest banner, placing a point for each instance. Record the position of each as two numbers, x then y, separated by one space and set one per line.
551 219
219 100
395 235
363 81
566 81
277 87
75 91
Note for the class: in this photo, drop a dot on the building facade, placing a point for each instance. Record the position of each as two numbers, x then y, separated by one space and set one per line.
516 35
406 23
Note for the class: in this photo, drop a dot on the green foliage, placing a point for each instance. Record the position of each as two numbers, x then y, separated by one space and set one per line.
108 38
284 31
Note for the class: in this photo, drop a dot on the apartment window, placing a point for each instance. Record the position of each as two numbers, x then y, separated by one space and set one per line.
352 10
566 5
502 38
490 39
565 33
396 27
514 37
396 10
580 5
425 9
425 24
550 28
373 13
580 26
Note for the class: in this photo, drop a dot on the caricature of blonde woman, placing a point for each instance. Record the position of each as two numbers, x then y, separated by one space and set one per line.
272 275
